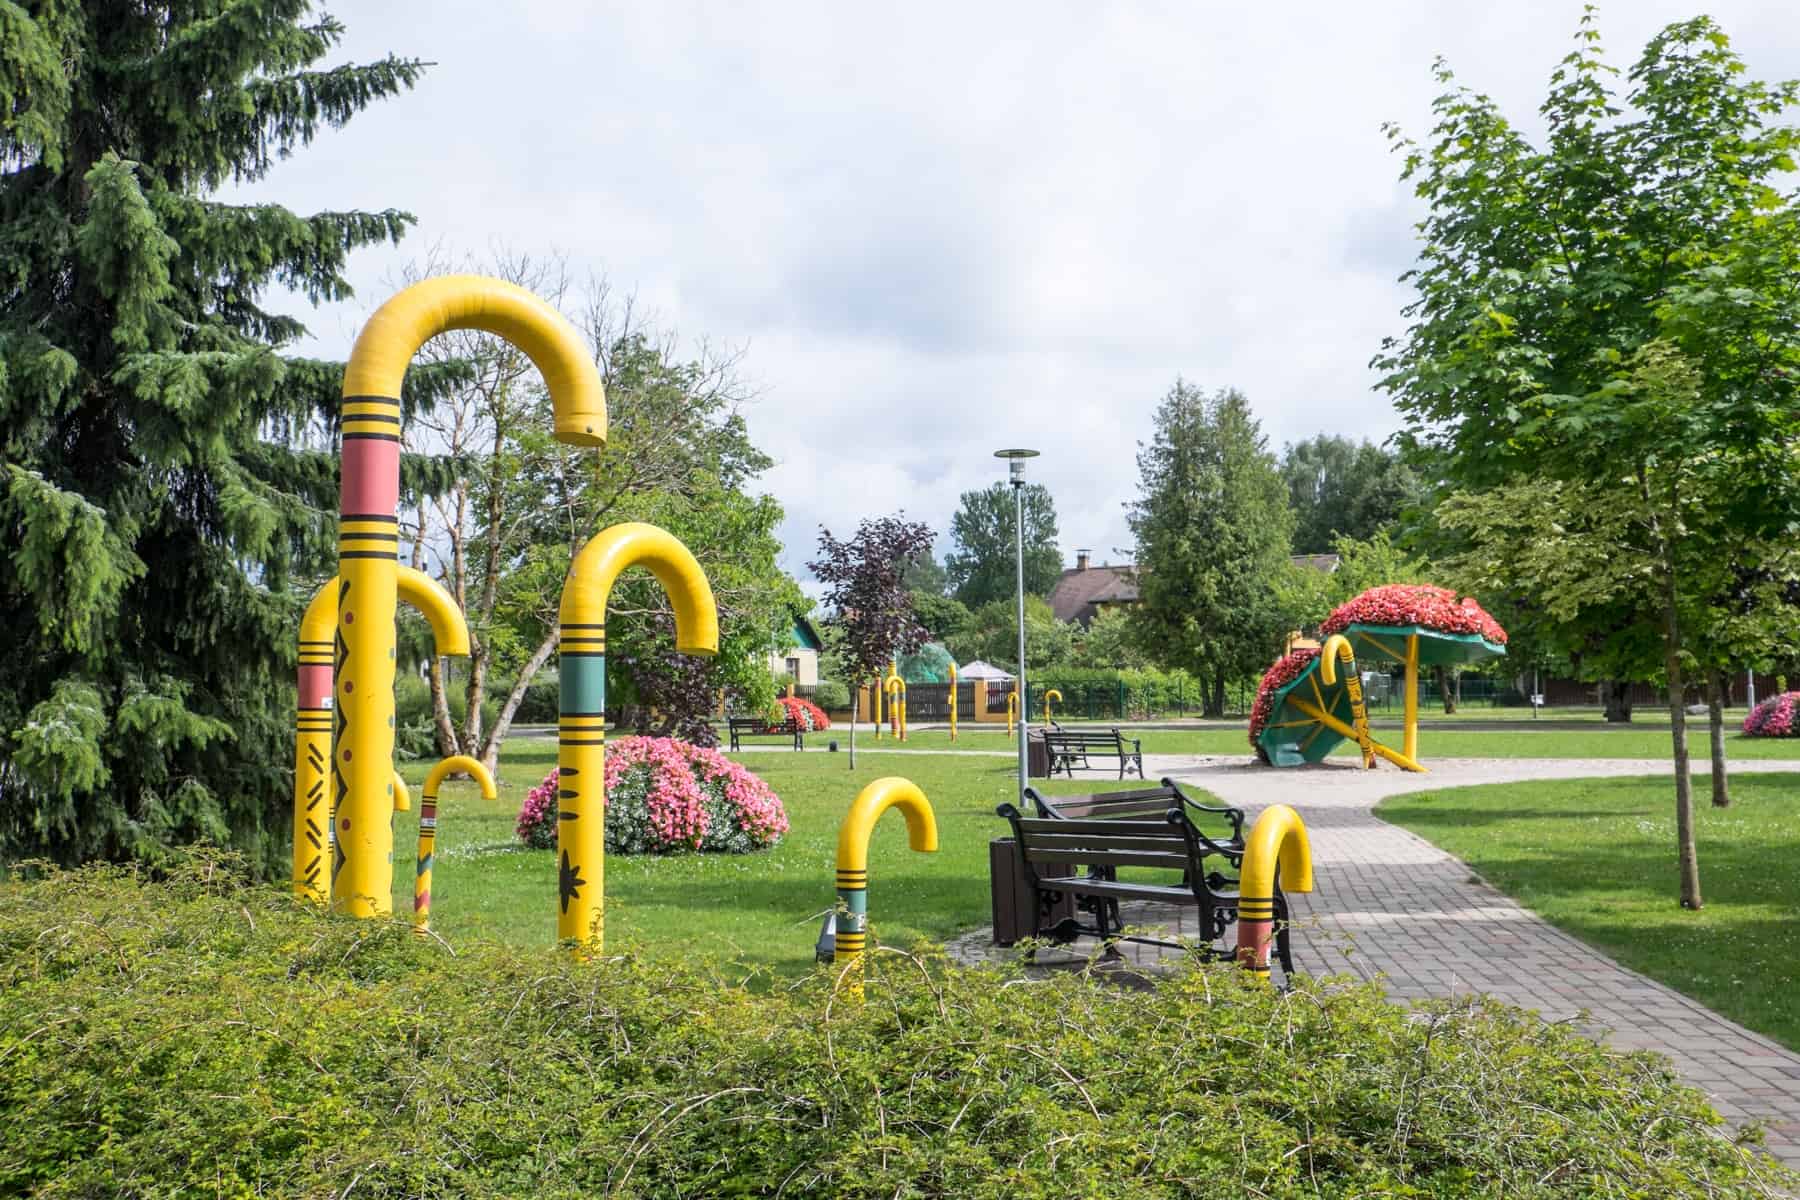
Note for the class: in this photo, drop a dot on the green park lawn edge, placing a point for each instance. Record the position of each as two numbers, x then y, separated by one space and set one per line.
1602 741
1596 858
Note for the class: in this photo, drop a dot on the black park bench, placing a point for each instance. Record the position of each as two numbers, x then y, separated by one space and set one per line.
1068 748
743 727
1078 857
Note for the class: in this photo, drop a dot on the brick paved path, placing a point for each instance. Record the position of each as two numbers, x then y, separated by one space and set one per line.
1389 903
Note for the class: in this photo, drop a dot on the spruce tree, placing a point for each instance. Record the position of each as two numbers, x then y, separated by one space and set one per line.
167 475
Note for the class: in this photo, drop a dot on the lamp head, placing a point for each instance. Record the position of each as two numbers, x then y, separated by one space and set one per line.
1015 463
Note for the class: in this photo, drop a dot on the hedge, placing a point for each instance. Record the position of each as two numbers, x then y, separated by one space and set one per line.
202 1035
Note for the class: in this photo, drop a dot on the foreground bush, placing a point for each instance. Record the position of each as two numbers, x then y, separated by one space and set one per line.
201 1036
1774 717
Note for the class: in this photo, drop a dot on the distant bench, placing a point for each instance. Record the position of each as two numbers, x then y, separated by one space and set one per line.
1068 748
743 727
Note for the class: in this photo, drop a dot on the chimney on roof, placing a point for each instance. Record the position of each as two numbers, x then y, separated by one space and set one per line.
1081 560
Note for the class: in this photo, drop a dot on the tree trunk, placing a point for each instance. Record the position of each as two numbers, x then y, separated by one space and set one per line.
1215 700
1616 694
1687 853
1445 695
1715 718
490 748
855 704
440 711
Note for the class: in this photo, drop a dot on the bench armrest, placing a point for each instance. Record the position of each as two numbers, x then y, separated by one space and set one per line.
1235 816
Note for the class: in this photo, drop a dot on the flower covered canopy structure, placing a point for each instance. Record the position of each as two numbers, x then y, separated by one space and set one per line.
1416 624
1307 703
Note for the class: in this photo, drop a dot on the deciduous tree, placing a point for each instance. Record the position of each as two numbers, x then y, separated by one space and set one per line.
871 606
1344 488
984 565
1618 308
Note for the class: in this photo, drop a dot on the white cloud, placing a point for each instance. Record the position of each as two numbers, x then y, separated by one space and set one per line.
962 226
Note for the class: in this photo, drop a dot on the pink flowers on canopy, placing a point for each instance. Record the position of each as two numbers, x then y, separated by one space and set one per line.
1774 717
1415 604
809 716
665 796
1285 671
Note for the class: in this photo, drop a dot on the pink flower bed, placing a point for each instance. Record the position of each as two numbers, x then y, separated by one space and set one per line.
1774 717
665 796
808 715
1286 669
1415 604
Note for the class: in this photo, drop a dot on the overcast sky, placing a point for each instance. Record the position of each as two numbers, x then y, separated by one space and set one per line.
966 227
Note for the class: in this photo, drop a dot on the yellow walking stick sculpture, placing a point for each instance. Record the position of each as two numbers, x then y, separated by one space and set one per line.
428 799
1277 851
851 937
895 687
314 827
953 701
1050 695
581 723
368 529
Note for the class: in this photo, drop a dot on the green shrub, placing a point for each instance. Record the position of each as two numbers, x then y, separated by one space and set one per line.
201 1036
1120 695
831 695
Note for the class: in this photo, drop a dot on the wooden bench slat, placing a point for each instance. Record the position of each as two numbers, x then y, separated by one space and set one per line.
1097 856
1156 828
1077 841
1082 885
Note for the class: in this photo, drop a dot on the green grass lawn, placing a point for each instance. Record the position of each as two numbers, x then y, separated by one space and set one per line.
760 910
1597 858
1602 741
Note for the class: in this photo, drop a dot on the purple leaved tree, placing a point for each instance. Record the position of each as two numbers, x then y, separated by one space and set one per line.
870 602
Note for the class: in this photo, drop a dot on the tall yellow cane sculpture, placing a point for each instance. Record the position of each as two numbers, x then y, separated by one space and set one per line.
851 937
363 749
313 809
1012 710
1050 695
581 724
428 799
1277 850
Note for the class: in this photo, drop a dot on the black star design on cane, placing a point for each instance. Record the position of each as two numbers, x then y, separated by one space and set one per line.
570 882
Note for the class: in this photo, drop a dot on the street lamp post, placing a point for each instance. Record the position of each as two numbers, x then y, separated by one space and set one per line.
1015 464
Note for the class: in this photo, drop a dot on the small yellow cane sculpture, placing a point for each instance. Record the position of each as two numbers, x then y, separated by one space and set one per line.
1012 711
428 826
1277 850
1050 695
895 687
953 701
851 936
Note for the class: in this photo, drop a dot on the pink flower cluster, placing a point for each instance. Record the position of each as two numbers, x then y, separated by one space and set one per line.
808 715
1415 604
1286 669
537 816
667 796
1774 717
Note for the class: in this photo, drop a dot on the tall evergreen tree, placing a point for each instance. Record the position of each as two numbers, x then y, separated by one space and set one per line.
1212 525
169 476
